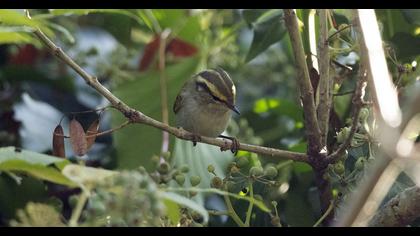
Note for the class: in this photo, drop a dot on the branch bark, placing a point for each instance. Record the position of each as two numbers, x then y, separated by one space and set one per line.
325 86
306 90
135 116
400 210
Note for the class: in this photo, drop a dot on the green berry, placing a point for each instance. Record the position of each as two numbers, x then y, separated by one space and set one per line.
234 170
229 167
271 172
275 220
274 203
364 113
193 193
164 168
339 168
216 182
360 163
343 134
155 159
184 169
166 155
210 168
256 171
195 180
242 162
180 179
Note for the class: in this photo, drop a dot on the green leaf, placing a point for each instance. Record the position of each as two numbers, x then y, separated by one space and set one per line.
176 198
268 30
280 107
14 18
173 211
15 37
136 145
198 158
12 153
36 170
251 15
412 16
407 46
64 31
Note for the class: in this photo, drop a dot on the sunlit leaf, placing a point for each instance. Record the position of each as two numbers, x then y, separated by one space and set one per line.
37 170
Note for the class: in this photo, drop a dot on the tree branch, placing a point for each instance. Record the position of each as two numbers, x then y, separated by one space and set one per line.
358 103
135 116
400 210
324 88
306 90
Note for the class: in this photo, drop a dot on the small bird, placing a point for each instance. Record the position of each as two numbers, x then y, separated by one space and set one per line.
204 104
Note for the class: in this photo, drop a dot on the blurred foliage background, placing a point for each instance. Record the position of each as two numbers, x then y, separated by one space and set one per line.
120 47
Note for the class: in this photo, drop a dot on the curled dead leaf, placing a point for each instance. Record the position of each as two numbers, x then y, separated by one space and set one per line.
58 142
77 138
91 132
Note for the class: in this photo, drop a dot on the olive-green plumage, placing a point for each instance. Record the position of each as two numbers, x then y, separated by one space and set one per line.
204 104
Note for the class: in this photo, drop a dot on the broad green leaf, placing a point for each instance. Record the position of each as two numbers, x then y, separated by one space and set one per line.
37 170
14 196
198 158
15 37
64 31
185 27
172 210
136 144
187 203
12 153
412 15
267 31
14 18
251 15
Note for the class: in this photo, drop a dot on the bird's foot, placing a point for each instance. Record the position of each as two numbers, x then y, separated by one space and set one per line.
234 148
195 138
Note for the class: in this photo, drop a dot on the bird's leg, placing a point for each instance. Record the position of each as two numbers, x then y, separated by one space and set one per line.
235 144
195 138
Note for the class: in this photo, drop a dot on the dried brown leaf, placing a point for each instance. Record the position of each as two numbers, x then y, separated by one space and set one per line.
77 138
58 142
92 130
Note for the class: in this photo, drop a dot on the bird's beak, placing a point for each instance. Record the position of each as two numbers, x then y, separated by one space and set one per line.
234 108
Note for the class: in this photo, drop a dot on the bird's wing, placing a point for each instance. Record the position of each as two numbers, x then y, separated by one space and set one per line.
178 103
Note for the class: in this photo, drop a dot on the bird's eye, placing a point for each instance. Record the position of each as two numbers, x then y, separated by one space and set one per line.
200 87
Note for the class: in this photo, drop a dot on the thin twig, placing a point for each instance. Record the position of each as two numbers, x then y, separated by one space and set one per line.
231 210
327 212
110 130
136 116
358 103
78 209
163 90
251 205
